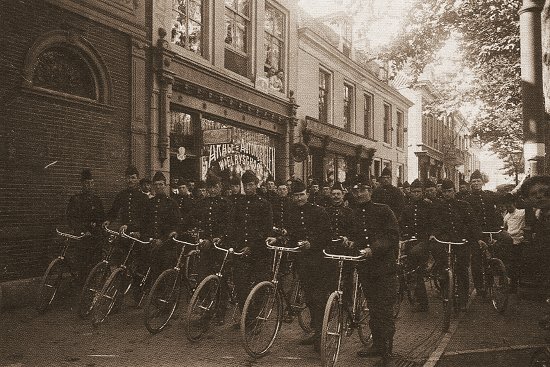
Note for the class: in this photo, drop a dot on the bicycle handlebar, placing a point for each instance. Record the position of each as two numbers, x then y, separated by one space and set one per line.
110 231
489 232
345 257
230 250
451 243
413 238
285 249
174 238
71 236
124 234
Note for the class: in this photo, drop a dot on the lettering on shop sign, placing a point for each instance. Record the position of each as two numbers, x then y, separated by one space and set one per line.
257 157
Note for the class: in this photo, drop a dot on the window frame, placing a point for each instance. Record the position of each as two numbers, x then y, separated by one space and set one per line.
204 28
328 91
248 37
348 107
283 41
400 138
388 123
368 122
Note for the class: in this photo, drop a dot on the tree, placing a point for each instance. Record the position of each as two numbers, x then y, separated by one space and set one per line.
487 32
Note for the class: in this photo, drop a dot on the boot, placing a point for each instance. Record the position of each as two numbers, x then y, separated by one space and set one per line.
310 340
372 351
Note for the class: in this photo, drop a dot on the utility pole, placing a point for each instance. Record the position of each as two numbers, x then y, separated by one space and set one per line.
531 86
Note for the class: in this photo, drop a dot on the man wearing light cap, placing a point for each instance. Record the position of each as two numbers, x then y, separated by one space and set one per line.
484 210
389 194
84 215
376 231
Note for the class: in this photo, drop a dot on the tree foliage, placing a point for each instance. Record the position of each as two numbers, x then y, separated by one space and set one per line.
487 32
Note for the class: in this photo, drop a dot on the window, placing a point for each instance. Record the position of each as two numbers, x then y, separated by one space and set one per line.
274 47
237 25
187 24
387 123
368 116
400 129
63 69
348 106
324 89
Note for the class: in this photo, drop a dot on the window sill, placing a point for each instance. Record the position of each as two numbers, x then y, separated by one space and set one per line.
387 145
67 98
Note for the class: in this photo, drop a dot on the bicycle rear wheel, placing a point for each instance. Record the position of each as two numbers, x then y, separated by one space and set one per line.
332 330
498 285
541 358
447 293
362 317
49 285
92 287
202 307
162 301
112 289
400 294
299 306
261 318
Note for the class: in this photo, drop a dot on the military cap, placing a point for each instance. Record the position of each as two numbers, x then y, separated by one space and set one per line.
462 182
417 184
144 180
406 184
337 186
297 186
360 180
447 184
314 182
476 175
131 170
440 181
86 174
159 176
235 181
200 184
249 176
429 183
212 180
386 172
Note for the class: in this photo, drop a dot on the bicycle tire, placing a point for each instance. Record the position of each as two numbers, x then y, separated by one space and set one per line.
50 283
162 301
92 287
191 271
304 317
332 330
204 304
362 314
540 358
447 287
400 295
498 286
410 284
261 318
112 289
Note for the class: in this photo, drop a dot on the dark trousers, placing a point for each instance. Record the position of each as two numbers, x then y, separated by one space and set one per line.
381 294
247 272
476 263
512 256
417 256
462 263
313 277
87 254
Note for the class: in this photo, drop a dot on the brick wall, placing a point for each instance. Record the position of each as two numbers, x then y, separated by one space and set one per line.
36 130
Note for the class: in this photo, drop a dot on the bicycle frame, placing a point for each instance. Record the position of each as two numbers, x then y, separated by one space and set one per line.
277 256
68 237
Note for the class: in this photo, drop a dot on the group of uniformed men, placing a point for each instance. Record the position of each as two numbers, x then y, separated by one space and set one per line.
372 221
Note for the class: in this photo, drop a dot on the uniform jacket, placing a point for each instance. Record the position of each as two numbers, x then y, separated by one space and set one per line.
309 222
280 208
391 196
378 223
484 208
162 217
85 213
416 219
129 207
453 221
186 206
212 216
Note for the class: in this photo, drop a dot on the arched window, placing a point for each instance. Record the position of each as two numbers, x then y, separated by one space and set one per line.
63 69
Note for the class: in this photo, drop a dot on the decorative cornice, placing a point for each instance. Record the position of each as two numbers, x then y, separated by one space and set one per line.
209 95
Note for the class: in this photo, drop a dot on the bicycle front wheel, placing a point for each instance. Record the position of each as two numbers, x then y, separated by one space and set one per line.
162 301
447 288
112 290
498 285
300 308
49 285
332 330
261 318
541 358
202 307
92 287
362 317
400 294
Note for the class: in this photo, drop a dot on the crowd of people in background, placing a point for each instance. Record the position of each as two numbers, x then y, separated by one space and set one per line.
366 214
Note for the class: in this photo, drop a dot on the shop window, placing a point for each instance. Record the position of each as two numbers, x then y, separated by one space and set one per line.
181 130
274 47
368 115
237 25
187 24
400 129
348 107
387 123
324 95
377 168
64 69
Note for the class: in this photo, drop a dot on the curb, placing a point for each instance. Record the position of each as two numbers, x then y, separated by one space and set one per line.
17 293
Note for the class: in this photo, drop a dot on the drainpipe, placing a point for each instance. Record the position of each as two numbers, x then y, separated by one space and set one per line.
531 86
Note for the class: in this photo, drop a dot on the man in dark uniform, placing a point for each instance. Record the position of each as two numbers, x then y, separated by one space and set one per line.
389 194
430 192
162 221
251 222
84 215
280 206
463 190
129 207
325 197
314 195
415 222
235 190
453 221
376 230
484 208
185 205
310 223
407 191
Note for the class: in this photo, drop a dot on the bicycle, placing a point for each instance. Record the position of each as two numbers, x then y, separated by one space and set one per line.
163 298
340 318
205 302
264 307
119 283
97 277
448 284
405 277
494 275
56 271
